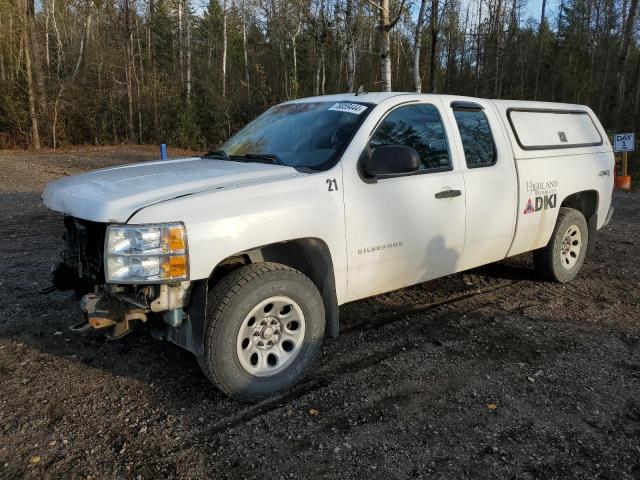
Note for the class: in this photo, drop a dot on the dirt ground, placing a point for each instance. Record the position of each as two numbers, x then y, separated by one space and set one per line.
487 374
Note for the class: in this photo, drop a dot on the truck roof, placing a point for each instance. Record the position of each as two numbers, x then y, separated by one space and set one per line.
379 97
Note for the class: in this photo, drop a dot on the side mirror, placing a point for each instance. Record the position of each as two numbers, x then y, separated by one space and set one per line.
391 160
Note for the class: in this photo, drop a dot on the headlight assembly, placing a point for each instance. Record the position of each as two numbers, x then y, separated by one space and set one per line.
146 253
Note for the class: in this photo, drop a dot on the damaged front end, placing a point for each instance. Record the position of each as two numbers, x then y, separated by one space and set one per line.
118 311
127 276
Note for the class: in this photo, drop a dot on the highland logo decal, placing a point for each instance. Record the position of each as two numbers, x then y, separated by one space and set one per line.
544 195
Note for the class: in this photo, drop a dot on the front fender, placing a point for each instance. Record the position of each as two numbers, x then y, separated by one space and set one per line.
224 222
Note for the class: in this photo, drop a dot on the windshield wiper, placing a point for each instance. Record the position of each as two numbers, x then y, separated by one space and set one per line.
216 154
271 158
263 157
247 157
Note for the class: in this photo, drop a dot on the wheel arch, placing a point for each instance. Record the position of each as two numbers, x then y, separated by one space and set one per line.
310 256
586 202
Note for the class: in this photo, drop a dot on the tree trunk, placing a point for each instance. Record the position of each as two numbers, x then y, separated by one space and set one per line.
83 40
35 132
385 45
478 30
128 69
324 73
636 99
180 42
417 44
224 50
188 56
316 75
539 55
154 72
592 56
464 62
603 87
36 61
294 51
244 49
59 51
70 81
621 62
433 57
497 48
3 75
350 50
46 34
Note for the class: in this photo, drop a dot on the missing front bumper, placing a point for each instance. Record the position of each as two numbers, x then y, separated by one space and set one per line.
117 311
106 312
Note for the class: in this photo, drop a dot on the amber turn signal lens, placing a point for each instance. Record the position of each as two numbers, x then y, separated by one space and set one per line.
176 240
174 267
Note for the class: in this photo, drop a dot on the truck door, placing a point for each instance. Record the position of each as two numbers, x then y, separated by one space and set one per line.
406 229
490 181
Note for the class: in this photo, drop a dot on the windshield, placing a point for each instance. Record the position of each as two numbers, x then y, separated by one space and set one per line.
310 134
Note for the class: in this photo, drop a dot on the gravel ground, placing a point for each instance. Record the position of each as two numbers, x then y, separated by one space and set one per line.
486 374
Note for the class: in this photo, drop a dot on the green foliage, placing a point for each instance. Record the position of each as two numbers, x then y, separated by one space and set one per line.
186 128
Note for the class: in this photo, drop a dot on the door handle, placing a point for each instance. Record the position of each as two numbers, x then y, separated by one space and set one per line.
448 194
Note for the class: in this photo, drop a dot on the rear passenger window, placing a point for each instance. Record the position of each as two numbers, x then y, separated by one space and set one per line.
477 141
417 126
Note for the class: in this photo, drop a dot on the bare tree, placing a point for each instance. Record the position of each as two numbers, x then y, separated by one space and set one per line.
64 84
623 55
224 50
188 53
539 55
244 46
36 60
385 25
434 28
35 132
417 44
350 45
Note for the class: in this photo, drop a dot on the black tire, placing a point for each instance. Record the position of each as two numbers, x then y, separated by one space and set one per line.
229 303
549 260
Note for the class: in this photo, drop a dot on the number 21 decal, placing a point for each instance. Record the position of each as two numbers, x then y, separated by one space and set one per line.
333 185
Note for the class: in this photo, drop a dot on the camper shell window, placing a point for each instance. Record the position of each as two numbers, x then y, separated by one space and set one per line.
541 129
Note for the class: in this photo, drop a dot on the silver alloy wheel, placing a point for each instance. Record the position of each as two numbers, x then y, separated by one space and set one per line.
570 247
270 336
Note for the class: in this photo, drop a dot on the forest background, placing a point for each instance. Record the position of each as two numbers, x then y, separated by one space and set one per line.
189 74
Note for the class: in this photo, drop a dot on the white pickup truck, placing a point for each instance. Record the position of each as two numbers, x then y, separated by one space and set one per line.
243 255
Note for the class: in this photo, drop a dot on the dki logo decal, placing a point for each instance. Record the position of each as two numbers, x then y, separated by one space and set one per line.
541 203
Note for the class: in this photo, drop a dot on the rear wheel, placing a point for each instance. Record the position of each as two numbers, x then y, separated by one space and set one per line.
265 325
563 256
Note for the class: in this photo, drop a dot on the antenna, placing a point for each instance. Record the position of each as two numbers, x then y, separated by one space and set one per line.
360 90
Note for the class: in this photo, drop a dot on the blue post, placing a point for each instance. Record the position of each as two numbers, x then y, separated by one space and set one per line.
163 151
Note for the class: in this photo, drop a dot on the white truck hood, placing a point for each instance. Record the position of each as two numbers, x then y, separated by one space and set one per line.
114 194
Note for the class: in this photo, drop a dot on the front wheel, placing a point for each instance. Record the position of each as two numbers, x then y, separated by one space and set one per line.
563 256
265 325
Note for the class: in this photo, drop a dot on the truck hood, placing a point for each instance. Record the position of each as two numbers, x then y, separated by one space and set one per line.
114 194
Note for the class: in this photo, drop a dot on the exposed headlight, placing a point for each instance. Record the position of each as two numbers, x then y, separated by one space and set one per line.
146 253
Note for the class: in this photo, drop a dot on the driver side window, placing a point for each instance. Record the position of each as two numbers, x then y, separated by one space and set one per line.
420 127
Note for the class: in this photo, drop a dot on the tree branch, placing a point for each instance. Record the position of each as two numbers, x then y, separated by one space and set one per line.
376 5
395 20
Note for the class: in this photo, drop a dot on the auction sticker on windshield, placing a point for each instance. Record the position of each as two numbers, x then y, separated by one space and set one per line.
348 107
